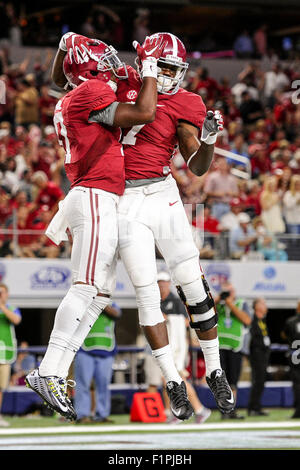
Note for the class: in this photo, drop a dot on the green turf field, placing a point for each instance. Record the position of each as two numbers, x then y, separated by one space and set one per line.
275 414
276 431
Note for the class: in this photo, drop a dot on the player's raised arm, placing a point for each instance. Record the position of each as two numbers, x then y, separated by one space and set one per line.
69 41
144 109
199 154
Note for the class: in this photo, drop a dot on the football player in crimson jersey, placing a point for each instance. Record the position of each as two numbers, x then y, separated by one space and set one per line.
151 214
87 121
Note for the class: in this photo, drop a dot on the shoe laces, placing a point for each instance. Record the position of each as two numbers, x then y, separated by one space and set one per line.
178 396
220 386
63 383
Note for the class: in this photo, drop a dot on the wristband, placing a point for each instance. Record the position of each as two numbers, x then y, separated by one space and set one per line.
149 68
210 139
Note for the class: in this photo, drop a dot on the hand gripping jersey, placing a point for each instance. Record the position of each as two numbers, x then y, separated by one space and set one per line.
94 155
149 148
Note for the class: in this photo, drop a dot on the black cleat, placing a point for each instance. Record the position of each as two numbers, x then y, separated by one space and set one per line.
179 403
221 390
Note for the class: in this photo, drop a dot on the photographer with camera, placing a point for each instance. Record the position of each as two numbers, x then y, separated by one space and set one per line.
233 319
9 316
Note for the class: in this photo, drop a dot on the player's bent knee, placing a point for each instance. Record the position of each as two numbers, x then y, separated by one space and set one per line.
203 315
187 271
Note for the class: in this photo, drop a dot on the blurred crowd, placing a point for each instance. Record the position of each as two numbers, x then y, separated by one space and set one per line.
251 192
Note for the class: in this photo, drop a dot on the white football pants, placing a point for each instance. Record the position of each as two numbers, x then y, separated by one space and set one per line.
154 215
92 219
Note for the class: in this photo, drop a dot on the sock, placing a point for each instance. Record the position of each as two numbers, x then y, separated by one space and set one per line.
164 359
210 349
199 410
68 316
92 314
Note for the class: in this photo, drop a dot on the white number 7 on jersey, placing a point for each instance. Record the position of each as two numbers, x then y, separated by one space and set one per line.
130 137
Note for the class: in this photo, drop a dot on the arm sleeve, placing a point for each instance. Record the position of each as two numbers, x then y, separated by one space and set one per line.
104 116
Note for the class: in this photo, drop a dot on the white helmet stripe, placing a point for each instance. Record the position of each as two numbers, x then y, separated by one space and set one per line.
175 45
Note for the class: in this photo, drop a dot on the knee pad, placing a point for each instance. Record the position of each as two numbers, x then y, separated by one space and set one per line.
187 271
203 315
148 303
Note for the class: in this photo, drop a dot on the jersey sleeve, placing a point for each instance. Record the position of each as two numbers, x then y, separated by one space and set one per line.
193 110
100 95
92 95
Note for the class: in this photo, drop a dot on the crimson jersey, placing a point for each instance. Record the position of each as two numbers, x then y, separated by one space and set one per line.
149 148
94 155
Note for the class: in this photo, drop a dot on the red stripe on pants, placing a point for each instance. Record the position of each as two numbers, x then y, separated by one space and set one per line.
88 280
97 239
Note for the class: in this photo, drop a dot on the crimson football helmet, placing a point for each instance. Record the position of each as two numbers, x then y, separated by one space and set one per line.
92 59
173 58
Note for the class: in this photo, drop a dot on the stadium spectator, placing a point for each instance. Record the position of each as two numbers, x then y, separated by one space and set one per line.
240 147
260 40
274 80
267 243
243 45
211 225
251 110
48 192
259 354
27 104
220 187
204 85
46 104
230 221
233 319
252 201
9 317
95 361
291 206
242 238
141 27
271 213
87 28
24 363
260 162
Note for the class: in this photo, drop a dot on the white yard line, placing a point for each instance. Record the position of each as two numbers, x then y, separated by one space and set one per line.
79 429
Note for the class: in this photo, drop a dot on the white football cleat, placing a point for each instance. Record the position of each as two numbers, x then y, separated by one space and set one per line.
52 391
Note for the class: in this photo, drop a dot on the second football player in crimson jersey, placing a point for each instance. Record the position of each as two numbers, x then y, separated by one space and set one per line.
151 214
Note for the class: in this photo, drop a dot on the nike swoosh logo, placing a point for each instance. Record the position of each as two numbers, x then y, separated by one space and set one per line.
175 413
172 203
231 399
150 52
